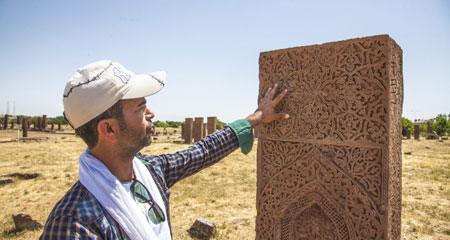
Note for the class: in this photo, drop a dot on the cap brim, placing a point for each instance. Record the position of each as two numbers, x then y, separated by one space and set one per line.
144 85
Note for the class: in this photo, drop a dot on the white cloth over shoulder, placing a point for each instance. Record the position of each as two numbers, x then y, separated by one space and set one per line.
112 195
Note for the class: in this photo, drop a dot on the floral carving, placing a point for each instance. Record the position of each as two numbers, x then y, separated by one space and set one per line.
333 170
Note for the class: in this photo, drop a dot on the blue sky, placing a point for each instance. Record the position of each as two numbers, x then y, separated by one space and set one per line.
209 49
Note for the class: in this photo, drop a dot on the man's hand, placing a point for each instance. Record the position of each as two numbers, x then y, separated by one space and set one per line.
265 113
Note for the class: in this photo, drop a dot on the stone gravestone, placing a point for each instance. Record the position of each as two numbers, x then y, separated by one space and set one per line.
212 124
198 129
188 125
5 121
333 169
408 134
24 127
429 130
416 132
59 126
44 122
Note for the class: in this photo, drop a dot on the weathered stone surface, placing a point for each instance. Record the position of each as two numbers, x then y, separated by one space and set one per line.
4 181
416 132
59 126
188 127
202 229
408 134
444 138
333 170
212 124
198 128
24 221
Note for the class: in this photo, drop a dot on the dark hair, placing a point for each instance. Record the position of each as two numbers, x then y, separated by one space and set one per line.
88 131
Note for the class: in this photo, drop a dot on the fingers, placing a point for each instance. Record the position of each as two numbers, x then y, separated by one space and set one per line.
281 116
272 92
279 98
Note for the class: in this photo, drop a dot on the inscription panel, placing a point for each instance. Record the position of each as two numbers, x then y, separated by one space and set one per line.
333 170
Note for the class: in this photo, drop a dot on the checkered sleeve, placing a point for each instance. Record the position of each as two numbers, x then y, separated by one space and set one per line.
204 153
66 227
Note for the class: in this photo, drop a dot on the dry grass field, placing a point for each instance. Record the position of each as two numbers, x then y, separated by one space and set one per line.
223 194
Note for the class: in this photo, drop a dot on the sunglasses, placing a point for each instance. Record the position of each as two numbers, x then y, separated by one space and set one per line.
141 194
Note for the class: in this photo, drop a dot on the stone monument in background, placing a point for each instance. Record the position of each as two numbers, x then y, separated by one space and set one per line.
416 132
198 129
211 124
333 169
188 126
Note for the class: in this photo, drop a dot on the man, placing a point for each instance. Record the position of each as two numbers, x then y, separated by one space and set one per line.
121 193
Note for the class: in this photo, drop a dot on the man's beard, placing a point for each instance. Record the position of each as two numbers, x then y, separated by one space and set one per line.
130 145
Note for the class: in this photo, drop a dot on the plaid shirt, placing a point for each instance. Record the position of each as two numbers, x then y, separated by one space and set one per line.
78 215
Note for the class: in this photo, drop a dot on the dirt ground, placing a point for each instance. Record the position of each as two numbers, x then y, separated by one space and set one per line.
223 194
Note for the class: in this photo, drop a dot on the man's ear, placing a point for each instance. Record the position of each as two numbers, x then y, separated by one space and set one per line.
108 129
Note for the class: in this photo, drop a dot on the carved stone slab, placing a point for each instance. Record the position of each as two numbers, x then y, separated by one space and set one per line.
198 129
416 131
211 122
333 170
188 126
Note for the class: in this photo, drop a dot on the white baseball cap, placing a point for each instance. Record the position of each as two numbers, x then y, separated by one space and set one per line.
98 86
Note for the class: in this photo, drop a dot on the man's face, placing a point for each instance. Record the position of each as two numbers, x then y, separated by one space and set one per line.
139 126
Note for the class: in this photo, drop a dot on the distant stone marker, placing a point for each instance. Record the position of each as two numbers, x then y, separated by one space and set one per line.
408 134
333 170
188 127
198 129
416 132
44 122
24 127
5 121
212 124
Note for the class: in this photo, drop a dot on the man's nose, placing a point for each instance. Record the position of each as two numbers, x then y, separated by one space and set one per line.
149 114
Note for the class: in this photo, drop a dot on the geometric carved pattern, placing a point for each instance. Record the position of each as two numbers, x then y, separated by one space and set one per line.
333 169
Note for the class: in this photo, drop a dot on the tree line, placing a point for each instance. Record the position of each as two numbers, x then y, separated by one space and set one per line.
440 124
174 124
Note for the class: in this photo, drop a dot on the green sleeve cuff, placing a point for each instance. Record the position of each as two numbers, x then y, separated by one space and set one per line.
244 133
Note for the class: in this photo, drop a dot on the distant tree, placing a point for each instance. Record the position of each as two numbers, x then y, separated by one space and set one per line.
160 124
173 124
58 119
423 130
441 125
220 124
406 125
